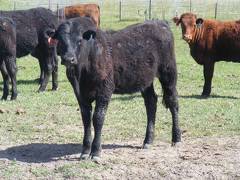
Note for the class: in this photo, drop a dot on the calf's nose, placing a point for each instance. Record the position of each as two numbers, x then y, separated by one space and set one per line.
69 59
187 37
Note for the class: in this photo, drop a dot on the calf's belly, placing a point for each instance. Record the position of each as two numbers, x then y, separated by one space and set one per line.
129 85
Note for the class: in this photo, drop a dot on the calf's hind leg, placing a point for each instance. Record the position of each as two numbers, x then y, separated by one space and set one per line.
5 80
47 72
12 70
150 101
41 77
168 79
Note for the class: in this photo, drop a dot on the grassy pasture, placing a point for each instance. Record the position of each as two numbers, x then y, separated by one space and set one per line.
52 118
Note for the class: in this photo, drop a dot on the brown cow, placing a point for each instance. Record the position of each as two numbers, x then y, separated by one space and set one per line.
81 10
210 41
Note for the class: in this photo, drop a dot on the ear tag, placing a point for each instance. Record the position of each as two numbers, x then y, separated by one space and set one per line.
52 41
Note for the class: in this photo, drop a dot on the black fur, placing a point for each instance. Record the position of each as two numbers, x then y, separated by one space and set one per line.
8 56
125 61
30 27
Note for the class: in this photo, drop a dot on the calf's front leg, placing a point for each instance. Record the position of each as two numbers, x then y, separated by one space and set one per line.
86 111
208 69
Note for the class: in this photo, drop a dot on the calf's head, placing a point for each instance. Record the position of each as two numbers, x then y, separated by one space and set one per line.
189 22
74 39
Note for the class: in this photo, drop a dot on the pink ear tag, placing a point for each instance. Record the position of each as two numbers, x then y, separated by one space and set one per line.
52 41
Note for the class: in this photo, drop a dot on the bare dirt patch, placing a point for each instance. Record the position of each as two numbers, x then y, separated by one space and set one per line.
208 157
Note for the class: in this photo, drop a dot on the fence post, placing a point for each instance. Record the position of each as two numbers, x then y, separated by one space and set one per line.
190 3
163 15
49 4
216 6
14 5
145 14
150 9
58 12
120 10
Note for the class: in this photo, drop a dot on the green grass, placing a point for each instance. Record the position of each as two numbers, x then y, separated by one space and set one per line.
52 117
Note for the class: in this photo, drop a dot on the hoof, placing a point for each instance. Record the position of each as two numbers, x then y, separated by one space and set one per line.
84 156
54 88
176 144
13 97
147 146
205 96
40 90
4 98
96 159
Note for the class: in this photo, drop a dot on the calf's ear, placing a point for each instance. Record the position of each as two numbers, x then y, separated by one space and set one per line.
89 34
199 22
176 20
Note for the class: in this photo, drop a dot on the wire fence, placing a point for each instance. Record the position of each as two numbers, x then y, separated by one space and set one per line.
139 10
166 9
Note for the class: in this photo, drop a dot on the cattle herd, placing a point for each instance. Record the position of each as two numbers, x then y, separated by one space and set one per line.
100 63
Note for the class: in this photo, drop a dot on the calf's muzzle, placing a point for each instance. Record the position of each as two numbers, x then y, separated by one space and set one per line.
69 59
187 37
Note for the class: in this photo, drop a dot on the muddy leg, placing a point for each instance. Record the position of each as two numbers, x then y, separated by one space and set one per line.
168 79
55 74
5 80
12 71
98 119
150 100
47 73
86 111
171 102
41 64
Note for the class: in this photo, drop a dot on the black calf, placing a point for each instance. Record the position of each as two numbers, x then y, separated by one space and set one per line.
8 56
100 64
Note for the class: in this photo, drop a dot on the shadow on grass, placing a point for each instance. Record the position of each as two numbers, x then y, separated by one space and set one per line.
211 96
42 153
33 81
126 98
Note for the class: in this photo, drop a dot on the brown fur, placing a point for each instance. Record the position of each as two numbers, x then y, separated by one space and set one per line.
81 10
210 41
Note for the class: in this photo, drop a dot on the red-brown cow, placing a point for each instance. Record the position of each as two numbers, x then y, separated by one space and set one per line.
81 10
210 41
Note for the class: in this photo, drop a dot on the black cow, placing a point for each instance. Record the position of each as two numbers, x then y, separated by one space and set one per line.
30 27
8 56
99 64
